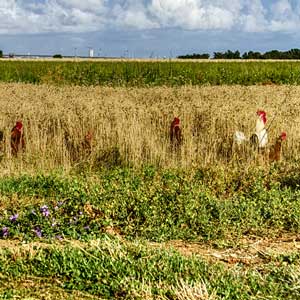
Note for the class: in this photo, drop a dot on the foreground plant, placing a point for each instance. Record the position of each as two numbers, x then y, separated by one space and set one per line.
152 204
114 269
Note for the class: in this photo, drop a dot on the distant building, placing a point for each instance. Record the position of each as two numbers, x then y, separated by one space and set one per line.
91 52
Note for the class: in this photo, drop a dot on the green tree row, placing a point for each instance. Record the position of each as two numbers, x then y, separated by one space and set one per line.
195 56
273 54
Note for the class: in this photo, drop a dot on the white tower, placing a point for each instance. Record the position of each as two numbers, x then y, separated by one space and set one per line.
91 52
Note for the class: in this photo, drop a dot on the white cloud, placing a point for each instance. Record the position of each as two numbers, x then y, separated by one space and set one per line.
51 16
284 16
97 6
132 14
254 19
194 14
34 16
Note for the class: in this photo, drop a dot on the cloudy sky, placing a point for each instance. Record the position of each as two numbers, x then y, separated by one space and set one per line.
147 28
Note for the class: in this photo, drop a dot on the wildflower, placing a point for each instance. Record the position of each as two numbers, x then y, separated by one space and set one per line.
33 212
59 237
45 211
53 223
73 220
58 205
38 232
5 231
86 228
14 218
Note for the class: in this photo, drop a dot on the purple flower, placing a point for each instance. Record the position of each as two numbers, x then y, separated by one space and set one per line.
38 232
45 211
14 218
59 237
5 232
80 213
86 228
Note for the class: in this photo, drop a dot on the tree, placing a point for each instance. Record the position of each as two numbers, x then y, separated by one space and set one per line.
57 56
218 55
232 55
1 53
293 54
227 55
252 55
273 54
194 56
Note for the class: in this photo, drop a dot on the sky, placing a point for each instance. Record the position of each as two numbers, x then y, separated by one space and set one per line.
147 28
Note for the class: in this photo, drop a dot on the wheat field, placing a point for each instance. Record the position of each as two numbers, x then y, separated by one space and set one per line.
133 123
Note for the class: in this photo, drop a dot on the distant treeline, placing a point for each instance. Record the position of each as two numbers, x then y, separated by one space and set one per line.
273 54
195 56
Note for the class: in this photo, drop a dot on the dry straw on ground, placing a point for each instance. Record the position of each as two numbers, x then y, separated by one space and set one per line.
131 125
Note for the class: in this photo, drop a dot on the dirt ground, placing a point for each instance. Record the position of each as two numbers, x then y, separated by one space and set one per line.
247 251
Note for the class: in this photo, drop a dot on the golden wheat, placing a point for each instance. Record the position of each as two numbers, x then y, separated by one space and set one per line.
134 122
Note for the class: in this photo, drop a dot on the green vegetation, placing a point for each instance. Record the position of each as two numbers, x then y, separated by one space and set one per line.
151 204
142 74
57 56
227 55
194 56
99 225
98 228
273 54
116 270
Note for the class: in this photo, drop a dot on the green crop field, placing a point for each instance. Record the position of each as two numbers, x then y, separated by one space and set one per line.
151 73
136 219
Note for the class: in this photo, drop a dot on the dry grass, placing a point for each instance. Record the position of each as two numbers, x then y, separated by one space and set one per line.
133 123
135 59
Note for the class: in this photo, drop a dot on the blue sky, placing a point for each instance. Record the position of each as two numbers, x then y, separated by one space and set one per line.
145 28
